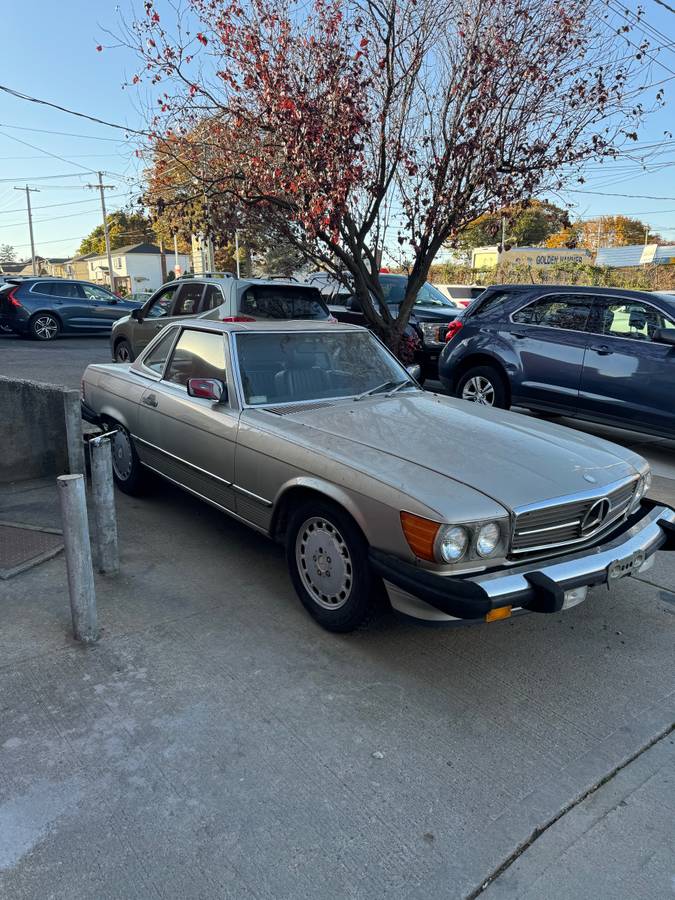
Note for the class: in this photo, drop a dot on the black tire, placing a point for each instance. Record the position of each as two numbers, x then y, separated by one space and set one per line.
44 327
321 526
123 352
486 382
128 472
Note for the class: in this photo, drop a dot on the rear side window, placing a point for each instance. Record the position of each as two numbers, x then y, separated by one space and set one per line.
567 312
56 289
283 302
212 298
491 302
188 300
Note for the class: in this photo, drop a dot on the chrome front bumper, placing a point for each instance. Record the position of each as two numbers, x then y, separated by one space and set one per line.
534 587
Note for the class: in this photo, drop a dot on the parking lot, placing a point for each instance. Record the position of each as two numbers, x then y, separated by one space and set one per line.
216 742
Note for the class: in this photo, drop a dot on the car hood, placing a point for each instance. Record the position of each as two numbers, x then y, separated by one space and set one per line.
433 313
511 458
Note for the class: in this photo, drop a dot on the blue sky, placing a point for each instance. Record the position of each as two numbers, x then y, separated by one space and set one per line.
49 51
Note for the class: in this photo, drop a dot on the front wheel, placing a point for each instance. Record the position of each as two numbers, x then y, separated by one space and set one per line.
44 327
327 558
483 385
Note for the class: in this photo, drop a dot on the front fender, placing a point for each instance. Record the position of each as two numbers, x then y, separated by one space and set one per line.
328 489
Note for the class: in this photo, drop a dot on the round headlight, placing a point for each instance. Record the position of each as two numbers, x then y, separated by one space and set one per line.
488 539
643 486
453 542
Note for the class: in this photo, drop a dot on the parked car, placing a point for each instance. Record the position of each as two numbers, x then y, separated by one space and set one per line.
140 297
431 315
310 433
218 295
43 308
602 354
461 294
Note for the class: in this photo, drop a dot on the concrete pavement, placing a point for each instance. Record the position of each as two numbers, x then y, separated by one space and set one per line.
216 743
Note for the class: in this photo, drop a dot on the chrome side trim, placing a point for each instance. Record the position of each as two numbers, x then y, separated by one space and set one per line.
181 460
241 490
550 528
208 500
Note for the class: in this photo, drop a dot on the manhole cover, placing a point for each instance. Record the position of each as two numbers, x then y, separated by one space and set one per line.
24 546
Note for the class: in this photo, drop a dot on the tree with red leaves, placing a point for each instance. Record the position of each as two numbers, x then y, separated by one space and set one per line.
354 126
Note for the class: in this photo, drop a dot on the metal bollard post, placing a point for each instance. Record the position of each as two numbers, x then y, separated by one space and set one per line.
73 416
73 500
103 498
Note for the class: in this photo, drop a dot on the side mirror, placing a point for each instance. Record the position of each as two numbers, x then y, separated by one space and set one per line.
208 389
414 371
137 314
664 336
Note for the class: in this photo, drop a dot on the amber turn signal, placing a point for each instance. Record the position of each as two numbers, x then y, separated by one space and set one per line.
420 534
502 612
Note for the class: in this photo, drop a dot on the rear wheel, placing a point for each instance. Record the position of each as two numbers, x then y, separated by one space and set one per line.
123 352
44 327
327 558
127 469
483 385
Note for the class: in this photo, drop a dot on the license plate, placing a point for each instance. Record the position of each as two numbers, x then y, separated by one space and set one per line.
629 565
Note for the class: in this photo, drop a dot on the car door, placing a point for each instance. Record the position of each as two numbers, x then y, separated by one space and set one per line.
104 306
155 315
629 374
67 300
197 437
548 338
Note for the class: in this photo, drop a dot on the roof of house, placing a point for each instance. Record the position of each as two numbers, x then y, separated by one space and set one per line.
131 248
57 259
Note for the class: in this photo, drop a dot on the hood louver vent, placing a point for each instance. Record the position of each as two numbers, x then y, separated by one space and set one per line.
290 408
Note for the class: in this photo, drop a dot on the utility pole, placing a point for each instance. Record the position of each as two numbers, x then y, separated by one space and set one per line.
30 221
236 250
503 232
646 234
176 267
103 188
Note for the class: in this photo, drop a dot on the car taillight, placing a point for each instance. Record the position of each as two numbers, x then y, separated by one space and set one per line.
16 303
453 329
238 319
464 303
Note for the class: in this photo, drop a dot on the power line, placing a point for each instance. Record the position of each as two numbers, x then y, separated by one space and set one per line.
609 194
68 162
68 203
42 178
90 137
665 6
71 112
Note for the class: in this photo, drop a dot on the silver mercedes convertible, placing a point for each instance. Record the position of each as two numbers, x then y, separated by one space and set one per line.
315 435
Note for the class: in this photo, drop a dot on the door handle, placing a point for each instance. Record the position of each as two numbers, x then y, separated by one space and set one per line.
150 400
601 349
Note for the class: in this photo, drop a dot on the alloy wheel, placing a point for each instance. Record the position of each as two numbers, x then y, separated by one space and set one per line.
324 563
46 328
479 390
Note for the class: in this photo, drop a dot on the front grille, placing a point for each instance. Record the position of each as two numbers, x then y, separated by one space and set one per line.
563 523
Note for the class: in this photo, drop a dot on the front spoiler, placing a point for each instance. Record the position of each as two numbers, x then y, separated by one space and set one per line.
538 586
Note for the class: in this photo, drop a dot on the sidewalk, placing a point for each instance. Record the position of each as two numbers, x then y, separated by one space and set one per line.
216 743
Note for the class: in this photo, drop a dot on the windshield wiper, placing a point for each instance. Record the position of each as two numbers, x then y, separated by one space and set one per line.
383 388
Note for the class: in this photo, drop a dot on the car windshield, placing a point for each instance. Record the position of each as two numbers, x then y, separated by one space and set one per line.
285 367
394 287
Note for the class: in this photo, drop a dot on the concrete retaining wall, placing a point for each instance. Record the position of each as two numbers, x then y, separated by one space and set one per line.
33 428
